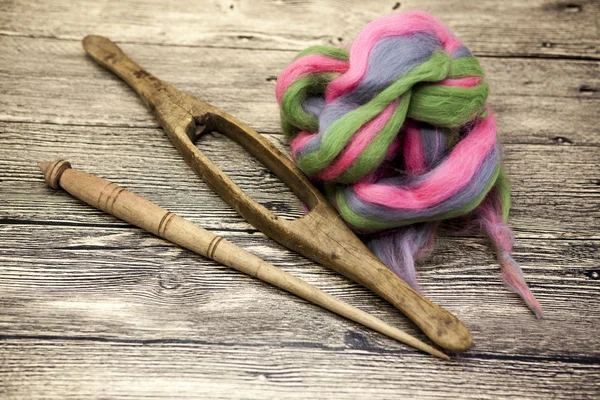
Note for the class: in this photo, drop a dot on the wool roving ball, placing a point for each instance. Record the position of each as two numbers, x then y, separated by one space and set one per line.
398 132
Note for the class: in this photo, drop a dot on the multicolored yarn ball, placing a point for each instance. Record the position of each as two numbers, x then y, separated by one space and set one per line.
398 132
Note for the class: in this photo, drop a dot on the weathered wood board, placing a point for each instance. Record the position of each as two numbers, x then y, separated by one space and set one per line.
491 28
93 308
535 100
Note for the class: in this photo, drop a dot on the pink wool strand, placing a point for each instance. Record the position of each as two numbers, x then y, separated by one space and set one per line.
445 180
416 21
358 143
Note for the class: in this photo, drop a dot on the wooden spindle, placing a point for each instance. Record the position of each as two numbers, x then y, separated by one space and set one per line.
142 213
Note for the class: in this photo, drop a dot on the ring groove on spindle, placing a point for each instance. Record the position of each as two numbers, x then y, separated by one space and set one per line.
113 200
58 168
108 195
208 250
162 225
101 194
212 246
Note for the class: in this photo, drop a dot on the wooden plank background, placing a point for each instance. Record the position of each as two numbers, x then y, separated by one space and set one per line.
93 308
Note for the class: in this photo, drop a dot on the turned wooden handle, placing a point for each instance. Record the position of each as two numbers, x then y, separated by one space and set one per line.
140 212
320 235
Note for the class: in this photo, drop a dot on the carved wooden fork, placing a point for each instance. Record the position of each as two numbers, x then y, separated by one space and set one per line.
320 235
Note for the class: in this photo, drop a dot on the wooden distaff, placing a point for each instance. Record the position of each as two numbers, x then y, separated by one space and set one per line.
140 212
320 235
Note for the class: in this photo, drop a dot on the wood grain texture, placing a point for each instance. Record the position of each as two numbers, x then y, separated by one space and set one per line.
546 28
561 204
195 369
535 101
123 295
104 281
93 308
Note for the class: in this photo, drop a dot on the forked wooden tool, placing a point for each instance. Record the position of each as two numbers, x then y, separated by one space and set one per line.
319 235
108 197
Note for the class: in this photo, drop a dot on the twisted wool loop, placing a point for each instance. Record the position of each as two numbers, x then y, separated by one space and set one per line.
398 131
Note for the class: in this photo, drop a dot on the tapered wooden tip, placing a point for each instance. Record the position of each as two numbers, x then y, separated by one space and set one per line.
417 344
441 355
53 170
